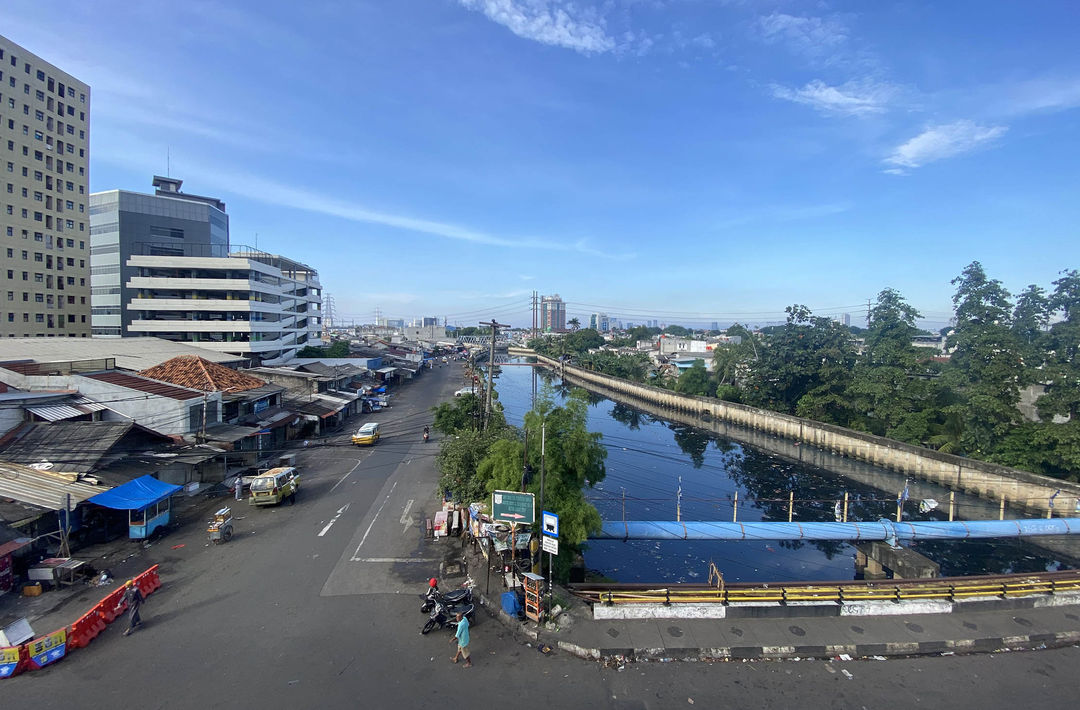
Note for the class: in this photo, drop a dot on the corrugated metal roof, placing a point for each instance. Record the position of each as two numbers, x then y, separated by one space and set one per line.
229 432
318 409
130 353
28 485
76 446
144 385
76 407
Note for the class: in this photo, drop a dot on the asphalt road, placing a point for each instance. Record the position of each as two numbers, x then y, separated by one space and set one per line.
316 606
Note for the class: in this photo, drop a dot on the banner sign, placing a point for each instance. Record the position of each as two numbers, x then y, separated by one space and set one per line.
512 507
47 649
551 545
9 660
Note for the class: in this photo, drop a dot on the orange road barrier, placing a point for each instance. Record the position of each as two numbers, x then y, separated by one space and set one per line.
52 647
112 605
12 660
46 649
86 629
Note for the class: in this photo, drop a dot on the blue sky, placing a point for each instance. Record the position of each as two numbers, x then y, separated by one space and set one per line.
683 160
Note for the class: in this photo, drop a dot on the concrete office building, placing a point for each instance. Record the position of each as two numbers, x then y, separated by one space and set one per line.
167 223
44 174
163 266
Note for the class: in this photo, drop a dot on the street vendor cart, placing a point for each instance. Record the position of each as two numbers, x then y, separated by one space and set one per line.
220 528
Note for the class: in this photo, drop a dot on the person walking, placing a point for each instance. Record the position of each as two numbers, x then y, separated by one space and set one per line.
134 598
239 485
462 638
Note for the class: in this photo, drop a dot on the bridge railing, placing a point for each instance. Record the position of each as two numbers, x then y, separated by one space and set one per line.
945 588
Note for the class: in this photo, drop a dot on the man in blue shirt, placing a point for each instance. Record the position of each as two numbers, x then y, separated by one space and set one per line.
462 638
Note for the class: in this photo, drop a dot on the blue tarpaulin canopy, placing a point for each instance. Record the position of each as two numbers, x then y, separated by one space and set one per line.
135 495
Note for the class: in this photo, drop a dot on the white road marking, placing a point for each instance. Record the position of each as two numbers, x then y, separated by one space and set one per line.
372 524
393 559
406 521
333 520
346 475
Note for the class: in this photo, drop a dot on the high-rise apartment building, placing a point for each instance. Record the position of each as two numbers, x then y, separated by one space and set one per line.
600 322
44 178
552 314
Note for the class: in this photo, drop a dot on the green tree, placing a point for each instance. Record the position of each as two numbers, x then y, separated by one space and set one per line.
311 351
339 348
582 341
889 389
574 324
1062 370
464 412
574 461
1029 324
804 368
460 456
695 381
984 370
676 330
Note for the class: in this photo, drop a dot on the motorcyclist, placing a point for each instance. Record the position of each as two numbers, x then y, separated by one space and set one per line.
425 433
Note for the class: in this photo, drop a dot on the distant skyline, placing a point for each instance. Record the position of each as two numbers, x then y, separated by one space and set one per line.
675 160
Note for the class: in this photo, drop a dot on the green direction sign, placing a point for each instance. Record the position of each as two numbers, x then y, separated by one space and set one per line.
511 507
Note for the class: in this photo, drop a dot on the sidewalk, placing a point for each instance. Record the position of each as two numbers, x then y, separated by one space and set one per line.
123 558
777 632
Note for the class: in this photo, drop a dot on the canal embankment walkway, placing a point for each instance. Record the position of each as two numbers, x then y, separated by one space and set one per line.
875 631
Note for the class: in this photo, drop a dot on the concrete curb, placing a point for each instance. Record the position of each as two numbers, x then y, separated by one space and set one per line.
892 649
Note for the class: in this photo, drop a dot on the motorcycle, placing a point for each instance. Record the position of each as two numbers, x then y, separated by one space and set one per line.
444 616
451 598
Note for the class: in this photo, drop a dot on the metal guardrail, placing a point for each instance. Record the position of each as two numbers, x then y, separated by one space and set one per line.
946 588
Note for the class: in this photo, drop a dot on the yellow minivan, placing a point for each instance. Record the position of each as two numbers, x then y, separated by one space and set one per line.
367 434
275 486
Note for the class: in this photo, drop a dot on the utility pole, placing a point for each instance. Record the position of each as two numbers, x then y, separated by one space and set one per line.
868 302
491 368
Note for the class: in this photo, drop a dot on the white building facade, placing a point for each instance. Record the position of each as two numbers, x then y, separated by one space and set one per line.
252 304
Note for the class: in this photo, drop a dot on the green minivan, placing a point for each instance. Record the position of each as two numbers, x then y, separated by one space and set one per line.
275 486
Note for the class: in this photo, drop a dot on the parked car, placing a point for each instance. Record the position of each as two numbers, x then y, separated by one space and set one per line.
274 486
367 434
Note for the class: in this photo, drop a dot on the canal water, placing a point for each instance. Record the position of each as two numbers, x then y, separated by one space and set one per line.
657 469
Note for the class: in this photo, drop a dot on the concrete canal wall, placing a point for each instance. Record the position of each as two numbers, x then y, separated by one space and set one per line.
1021 489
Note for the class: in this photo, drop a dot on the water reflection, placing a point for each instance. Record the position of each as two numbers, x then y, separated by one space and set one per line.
660 470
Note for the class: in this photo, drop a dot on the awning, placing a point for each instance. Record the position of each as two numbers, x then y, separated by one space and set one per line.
76 407
313 411
229 433
386 370
135 495
42 488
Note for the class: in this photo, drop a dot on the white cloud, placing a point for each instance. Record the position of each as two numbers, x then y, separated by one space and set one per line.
554 22
943 141
850 99
1040 95
809 36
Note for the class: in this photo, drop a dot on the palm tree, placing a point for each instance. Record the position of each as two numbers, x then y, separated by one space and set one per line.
574 324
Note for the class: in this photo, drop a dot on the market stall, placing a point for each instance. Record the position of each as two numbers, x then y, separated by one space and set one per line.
147 500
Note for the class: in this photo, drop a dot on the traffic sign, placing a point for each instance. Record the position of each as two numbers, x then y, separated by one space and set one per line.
551 544
551 524
513 507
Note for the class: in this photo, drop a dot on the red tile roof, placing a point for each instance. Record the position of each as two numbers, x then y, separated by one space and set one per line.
144 385
201 374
